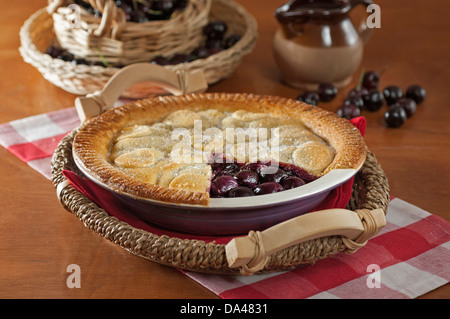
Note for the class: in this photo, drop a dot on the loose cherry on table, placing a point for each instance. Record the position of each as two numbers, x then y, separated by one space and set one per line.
395 116
416 93
392 94
355 100
309 97
409 105
349 111
374 100
371 80
358 92
327 92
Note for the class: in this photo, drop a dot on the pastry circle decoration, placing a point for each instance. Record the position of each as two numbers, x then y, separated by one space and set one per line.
188 149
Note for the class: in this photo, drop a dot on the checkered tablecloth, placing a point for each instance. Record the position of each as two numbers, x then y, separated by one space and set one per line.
409 258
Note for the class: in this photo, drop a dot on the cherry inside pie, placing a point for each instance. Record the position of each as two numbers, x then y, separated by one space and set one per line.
191 148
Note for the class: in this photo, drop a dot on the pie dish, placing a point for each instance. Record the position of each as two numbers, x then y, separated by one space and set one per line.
130 150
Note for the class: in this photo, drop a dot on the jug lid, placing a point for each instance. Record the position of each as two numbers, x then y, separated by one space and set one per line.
298 10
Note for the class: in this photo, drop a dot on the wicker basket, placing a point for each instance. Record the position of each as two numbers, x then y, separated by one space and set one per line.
120 42
370 191
37 34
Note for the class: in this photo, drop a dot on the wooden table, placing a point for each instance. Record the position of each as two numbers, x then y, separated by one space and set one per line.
39 239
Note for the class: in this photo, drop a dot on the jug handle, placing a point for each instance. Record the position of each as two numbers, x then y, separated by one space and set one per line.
364 31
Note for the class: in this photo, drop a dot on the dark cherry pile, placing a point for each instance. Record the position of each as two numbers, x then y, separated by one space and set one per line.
57 52
142 10
214 42
241 180
368 96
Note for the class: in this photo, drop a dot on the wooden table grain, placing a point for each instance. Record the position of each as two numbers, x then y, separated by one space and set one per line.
39 239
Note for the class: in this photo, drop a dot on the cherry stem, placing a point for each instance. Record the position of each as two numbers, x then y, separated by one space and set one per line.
361 77
102 58
384 70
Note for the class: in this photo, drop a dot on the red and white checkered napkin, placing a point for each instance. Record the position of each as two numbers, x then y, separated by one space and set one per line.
410 257
35 138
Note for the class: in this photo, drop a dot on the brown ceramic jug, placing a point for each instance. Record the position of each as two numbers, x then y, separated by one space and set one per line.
317 42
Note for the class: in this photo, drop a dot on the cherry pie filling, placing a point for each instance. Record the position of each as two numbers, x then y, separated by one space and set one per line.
249 179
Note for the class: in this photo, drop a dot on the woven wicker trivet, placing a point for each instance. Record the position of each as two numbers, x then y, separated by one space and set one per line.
370 191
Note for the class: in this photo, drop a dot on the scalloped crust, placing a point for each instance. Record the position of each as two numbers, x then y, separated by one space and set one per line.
92 142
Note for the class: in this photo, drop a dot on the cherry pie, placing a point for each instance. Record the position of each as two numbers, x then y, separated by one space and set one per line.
191 148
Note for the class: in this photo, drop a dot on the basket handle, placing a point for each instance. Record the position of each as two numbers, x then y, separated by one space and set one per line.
253 252
113 19
175 82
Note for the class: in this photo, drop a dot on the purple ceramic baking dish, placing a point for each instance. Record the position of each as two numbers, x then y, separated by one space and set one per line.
233 216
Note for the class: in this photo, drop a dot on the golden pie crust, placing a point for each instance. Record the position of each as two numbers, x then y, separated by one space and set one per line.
127 148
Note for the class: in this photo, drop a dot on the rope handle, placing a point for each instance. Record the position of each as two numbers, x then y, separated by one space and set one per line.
251 253
175 82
